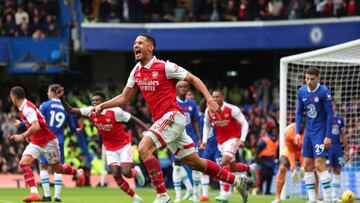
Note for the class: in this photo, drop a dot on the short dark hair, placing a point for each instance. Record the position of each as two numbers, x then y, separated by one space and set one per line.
18 92
100 94
54 87
219 90
312 71
150 38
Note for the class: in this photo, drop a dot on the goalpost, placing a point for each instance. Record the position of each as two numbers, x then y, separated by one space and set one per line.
340 71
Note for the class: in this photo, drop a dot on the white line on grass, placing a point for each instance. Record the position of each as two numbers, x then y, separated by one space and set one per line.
5 201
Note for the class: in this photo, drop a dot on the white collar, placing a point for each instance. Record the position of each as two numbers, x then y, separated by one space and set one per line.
317 87
149 64
21 107
181 101
55 99
223 106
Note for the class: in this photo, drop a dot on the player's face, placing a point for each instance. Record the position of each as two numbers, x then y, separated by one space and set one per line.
96 100
311 81
218 98
182 89
143 49
190 95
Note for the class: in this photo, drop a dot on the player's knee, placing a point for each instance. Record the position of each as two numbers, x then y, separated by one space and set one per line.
282 169
115 172
127 173
226 160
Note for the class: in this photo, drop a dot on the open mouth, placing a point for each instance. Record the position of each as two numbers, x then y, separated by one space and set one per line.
137 52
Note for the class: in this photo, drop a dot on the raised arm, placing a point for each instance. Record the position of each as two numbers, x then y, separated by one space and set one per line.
69 108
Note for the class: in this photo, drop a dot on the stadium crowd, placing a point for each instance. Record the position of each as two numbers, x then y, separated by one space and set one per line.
214 10
34 18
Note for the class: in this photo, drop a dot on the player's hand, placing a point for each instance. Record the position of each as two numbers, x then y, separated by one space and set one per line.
202 146
213 109
327 143
17 137
295 176
241 144
297 139
96 110
60 92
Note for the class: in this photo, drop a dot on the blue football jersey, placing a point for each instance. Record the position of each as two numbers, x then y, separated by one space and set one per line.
318 107
211 143
338 125
190 111
56 118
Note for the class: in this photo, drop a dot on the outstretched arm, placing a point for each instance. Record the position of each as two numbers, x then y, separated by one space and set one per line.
119 100
69 108
136 121
199 85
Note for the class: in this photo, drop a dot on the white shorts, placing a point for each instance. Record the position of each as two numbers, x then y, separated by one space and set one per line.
121 156
229 147
51 151
169 131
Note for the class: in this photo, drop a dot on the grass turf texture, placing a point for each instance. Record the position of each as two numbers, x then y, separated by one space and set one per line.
113 195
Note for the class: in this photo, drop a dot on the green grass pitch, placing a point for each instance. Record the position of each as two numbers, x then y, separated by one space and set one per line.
113 195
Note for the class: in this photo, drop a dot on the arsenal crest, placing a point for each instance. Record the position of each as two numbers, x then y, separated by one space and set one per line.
155 74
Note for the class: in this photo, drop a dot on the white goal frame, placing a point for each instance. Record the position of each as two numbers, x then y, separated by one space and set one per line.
283 82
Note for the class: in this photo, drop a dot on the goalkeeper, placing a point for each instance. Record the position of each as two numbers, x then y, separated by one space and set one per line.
292 151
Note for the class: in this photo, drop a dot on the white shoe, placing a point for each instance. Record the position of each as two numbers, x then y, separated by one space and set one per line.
241 186
187 195
195 198
276 201
163 198
140 176
137 199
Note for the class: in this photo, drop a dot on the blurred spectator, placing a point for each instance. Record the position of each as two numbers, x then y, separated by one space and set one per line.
38 34
24 30
10 26
20 15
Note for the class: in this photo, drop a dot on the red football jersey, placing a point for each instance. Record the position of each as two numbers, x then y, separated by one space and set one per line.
30 113
110 127
156 81
226 126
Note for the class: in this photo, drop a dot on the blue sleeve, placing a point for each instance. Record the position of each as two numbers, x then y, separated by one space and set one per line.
43 108
196 111
71 122
327 102
299 113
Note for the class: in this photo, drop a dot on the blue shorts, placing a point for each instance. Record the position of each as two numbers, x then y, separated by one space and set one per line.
335 156
43 161
313 147
210 154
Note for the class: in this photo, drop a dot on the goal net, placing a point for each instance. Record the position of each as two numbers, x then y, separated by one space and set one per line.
340 72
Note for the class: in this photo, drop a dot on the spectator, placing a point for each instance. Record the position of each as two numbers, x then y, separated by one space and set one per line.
38 34
230 13
20 15
23 30
10 26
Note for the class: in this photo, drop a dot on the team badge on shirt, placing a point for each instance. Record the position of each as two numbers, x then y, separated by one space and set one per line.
226 115
155 74
316 99
108 120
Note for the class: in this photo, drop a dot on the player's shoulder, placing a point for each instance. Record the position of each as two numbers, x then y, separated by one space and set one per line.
323 88
231 106
302 89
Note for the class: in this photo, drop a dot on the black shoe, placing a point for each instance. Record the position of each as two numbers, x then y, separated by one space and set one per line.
57 199
45 199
